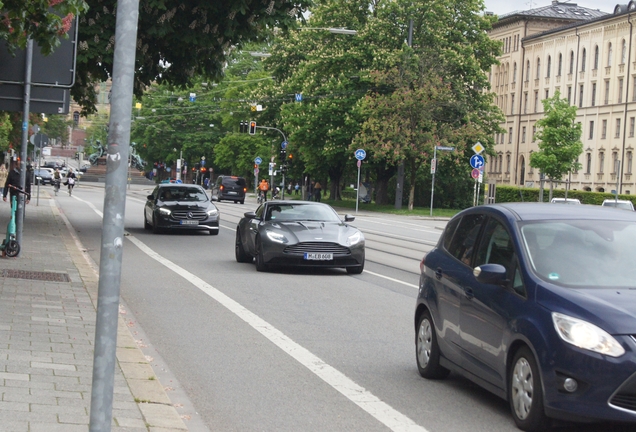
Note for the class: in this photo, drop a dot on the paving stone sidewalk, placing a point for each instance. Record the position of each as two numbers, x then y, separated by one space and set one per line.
47 328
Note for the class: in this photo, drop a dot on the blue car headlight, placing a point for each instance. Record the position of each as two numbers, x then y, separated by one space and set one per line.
165 211
586 336
276 237
351 240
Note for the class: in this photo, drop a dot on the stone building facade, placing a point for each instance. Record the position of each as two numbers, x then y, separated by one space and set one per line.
588 56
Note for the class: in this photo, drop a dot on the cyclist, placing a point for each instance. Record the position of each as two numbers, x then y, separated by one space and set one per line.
57 179
70 180
263 187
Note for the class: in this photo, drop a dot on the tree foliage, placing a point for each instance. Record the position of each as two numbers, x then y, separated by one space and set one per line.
56 127
5 129
560 139
44 21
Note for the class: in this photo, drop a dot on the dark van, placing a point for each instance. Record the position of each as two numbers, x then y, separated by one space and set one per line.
229 188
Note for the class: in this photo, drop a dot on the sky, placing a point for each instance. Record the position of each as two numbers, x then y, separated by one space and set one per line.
501 7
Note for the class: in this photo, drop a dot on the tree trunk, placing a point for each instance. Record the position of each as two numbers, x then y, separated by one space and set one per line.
412 188
383 175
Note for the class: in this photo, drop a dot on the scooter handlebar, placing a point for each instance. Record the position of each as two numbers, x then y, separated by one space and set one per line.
17 189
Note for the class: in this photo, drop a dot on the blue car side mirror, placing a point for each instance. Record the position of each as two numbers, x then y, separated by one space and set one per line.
490 274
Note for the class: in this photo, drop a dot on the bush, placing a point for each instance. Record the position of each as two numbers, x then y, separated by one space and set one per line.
520 194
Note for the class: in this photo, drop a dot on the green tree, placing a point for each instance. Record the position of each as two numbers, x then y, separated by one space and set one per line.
5 129
44 21
560 139
56 127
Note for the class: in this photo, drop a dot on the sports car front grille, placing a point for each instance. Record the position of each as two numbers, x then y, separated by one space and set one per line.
318 247
194 214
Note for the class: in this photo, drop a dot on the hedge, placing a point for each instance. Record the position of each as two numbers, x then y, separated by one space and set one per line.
521 194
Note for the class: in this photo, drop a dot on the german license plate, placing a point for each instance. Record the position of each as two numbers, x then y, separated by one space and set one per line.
318 256
189 222
232 193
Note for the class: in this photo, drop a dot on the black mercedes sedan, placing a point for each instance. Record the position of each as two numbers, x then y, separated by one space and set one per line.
180 207
300 234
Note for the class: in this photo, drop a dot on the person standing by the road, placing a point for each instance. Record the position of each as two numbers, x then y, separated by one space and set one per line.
317 191
13 179
70 181
263 187
296 189
289 188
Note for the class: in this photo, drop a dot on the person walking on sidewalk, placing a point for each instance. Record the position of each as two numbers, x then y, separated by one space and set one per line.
13 179
70 181
317 191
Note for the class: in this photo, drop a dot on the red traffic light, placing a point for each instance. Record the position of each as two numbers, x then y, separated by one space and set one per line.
252 127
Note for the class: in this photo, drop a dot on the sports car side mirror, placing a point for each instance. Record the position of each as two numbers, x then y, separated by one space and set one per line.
150 197
249 215
349 218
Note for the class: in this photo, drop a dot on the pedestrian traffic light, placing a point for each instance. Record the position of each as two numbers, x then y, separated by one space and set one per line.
252 127
283 155
243 127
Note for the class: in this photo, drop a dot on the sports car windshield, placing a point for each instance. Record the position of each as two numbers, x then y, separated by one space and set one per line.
183 194
586 253
301 212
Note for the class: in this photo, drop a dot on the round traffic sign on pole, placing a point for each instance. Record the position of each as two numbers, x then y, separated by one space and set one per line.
258 160
360 154
283 145
477 161
475 173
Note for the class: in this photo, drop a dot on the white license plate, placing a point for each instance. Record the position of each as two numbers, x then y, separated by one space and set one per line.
232 193
189 222
318 256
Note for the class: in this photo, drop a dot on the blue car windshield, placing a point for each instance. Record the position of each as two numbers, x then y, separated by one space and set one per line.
582 253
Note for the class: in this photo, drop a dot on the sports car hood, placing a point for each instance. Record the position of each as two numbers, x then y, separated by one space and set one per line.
612 309
306 231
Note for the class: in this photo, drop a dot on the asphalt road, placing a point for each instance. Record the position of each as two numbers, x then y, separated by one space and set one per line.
286 350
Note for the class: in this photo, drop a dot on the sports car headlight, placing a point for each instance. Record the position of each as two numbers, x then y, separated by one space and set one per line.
165 211
354 239
585 335
276 237
213 212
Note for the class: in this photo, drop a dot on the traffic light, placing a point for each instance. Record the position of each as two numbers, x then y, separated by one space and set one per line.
243 127
283 156
290 158
252 127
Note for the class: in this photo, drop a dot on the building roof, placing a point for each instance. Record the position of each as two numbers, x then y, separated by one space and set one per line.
567 12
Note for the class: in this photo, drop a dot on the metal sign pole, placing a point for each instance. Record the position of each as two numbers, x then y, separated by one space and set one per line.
25 137
433 180
358 188
104 357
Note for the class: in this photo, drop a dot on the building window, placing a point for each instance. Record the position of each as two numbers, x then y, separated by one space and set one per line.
607 86
512 104
525 103
624 52
571 62
588 163
634 91
617 134
536 101
523 134
581 96
534 133
549 66
547 94
583 58
514 73
609 54
601 162
630 158
538 75
570 95
620 90
591 136
596 57
593 94
509 135
507 164
614 162
632 120
528 70
560 66
500 163
604 129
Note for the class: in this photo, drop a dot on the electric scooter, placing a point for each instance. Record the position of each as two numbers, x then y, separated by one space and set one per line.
10 246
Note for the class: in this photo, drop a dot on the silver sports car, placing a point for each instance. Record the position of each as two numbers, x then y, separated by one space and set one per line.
299 233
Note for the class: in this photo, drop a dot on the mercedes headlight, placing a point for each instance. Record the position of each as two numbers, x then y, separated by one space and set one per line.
213 212
351 240
585 335
165 211
276 237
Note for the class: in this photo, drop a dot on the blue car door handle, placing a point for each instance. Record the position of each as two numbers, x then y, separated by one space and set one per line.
438 273
468 292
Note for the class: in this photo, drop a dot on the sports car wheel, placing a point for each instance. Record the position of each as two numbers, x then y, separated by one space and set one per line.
525 393
155 226
260 262
239 251
146 224
427 350
12 248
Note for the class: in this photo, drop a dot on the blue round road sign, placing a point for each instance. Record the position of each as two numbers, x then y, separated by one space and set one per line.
476 161
283 145
360 154
258 160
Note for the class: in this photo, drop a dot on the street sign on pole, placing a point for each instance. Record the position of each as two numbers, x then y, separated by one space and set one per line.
283 145
475 173
478 148
433 165
445 148
360 154
477 161
258 160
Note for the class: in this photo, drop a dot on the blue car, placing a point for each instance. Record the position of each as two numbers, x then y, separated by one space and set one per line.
537 304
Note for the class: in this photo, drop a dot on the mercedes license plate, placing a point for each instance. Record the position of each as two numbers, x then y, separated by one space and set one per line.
318 256
189 222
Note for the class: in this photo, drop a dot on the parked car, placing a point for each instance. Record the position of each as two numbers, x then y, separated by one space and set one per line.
43 176
565 201
621 204
180 207
229 188
299 234
535 303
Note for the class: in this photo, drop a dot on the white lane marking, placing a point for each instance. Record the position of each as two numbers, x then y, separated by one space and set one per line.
391 279
366 400
381 411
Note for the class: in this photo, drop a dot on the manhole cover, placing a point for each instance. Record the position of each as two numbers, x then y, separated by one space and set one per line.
36 275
